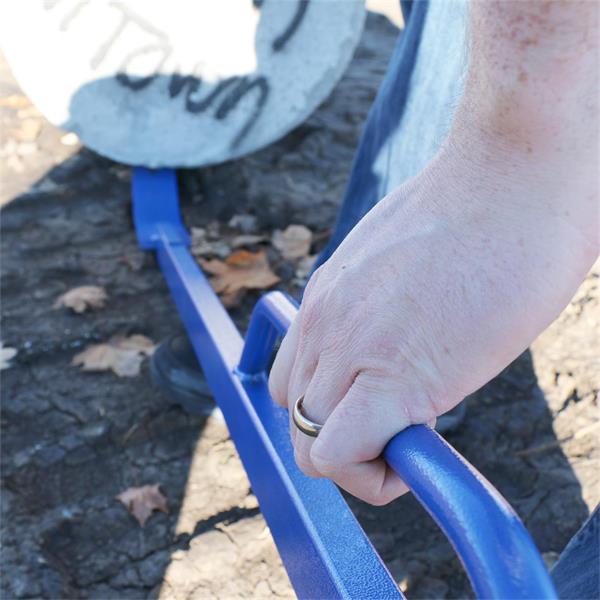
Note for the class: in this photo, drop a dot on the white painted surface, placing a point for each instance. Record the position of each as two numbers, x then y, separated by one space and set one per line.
66 55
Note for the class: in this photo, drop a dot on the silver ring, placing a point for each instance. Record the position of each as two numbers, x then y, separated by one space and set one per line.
305 425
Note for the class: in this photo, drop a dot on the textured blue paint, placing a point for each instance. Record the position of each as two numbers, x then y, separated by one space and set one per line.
156 204
498 554
326 553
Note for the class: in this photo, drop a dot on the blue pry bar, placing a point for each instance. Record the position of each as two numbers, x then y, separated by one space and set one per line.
324 549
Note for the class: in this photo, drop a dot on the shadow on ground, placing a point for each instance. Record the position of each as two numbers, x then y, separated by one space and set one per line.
71 441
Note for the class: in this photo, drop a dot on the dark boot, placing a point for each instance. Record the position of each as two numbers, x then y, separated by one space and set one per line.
175 370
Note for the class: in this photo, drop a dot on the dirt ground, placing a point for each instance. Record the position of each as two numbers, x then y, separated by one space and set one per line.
72 441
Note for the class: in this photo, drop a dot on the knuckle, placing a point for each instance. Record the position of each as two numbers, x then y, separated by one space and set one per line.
312 282
311 315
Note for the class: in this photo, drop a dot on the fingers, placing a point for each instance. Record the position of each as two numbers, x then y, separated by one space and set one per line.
328 385
374 482
360 416
353 437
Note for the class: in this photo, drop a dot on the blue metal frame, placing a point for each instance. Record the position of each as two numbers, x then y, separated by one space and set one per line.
324 549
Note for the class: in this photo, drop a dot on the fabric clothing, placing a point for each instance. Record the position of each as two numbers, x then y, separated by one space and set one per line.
409 120
576 575
412 112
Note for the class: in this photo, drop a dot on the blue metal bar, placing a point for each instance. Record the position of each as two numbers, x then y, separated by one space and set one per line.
270 320
325 551
150 210
495 548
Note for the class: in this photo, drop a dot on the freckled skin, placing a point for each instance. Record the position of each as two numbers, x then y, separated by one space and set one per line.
454 274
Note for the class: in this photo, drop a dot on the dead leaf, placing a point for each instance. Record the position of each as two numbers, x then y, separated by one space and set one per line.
293 242
142 501
6 355
202 245
247 239
241 271
15 101
121 355
137 342
81 298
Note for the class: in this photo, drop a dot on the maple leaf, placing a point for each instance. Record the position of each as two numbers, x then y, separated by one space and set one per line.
81 298
142 501
6 355
241 271
121 355
293 242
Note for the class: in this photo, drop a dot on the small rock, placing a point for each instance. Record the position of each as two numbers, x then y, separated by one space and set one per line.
69 139
245 223
94 431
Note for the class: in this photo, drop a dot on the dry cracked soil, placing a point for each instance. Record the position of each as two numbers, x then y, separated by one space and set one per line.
72 441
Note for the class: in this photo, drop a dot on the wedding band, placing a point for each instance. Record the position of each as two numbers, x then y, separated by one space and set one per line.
304 424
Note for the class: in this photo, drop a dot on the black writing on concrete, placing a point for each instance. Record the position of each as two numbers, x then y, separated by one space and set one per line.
224 96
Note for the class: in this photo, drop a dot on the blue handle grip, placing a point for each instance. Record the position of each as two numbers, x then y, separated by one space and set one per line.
496 550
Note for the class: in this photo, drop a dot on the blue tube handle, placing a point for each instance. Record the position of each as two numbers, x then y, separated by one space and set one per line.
496 550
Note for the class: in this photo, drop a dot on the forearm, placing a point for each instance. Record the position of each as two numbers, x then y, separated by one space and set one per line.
530 107
534 70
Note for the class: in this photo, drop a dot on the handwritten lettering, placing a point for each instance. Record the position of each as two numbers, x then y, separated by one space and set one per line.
225 95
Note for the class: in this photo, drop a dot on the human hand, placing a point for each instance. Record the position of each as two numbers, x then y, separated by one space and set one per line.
431 295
